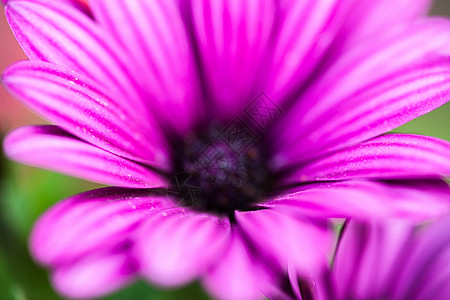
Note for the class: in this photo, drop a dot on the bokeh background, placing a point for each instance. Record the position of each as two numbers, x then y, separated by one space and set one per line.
26 192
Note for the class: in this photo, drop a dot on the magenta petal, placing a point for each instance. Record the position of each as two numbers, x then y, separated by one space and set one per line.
276 293
94 276
73 101
385 157
372 17
306 31
89 222
416 200
52 148
372 89
391 260
374 110
238 274
55 32
79 4
384 106
161 47
382 57
232 39
177 246
303 244
366 259
427 271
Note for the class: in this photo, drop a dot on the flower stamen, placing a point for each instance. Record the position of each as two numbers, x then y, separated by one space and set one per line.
212 176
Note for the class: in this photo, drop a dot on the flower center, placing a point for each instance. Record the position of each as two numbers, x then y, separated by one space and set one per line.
220 170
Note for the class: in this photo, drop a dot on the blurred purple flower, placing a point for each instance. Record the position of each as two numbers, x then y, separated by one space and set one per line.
389 259
147 93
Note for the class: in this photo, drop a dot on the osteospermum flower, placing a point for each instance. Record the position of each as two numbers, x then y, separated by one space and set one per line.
390 261
225 126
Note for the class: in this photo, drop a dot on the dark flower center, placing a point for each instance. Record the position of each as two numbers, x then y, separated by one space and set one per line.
220 170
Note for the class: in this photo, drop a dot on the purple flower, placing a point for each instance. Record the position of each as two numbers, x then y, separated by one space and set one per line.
389 260
227 127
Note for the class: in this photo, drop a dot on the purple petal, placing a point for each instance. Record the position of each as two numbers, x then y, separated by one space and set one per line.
73 101
374 17
275 292
178 246
306 30
366 259
391 260
161 47
385 157
55 32
370 62
52 148
232 37
373 89
79 4
416 200
94 276
238 274
388 104
427 270
91 222
307 252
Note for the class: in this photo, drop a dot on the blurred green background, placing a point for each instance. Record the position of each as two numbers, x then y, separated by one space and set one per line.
26 192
